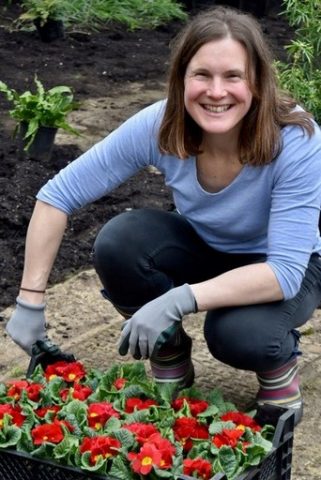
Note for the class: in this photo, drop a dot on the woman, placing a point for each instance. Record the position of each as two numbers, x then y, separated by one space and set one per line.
243 165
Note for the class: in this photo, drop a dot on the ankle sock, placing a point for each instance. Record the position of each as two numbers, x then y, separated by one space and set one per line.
173 361
280 387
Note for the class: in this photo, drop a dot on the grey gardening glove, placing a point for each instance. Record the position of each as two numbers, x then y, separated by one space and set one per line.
156 322
27 324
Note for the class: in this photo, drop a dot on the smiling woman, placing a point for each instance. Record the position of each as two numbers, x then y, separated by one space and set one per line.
242 162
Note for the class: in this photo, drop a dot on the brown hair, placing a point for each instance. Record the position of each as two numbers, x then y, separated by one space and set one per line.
260 136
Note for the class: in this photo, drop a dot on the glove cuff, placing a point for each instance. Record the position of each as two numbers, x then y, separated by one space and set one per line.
190 298
30 306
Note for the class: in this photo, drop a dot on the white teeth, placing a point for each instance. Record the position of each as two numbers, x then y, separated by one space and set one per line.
219 109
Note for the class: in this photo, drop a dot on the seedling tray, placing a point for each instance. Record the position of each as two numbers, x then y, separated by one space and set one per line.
275 466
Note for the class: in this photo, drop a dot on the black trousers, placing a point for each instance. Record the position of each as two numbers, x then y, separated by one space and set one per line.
141 254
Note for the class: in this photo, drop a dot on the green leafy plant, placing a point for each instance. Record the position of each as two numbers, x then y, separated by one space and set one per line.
301 76
133 14
95 14
121 423
42 10
42 108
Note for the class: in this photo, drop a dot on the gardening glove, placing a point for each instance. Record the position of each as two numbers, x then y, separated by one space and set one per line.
27 324
156 322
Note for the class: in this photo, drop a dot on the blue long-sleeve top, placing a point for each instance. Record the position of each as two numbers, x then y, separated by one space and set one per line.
272 209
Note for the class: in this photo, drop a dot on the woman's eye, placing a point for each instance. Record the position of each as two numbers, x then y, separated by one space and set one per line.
201 74
235 75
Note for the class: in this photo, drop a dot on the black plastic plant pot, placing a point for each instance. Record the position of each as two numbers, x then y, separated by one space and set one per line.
42 145
51 30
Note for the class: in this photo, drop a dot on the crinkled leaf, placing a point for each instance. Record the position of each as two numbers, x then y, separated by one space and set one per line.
267 432
44 451
254 455
265 444
125 437
226 461
25 444
217 426
9 436
200 449
54 388
112 425
120 468
3 390
165 392
161 473
100 464
75 410
211 411
138 416
66 449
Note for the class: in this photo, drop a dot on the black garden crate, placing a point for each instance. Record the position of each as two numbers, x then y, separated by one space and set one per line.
275 466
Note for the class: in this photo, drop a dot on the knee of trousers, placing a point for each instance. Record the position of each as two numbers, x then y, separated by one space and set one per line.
240 343
122 257
119 241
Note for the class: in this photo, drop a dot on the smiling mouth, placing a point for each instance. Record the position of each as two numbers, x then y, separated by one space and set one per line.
216 109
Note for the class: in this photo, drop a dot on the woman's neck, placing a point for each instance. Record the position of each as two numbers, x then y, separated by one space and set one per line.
220 148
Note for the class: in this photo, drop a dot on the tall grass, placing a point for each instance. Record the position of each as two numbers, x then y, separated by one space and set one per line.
135 14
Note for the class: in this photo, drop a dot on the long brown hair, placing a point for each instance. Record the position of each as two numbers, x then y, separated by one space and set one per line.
260 136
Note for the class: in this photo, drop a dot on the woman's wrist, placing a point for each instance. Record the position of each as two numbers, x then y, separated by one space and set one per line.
32 295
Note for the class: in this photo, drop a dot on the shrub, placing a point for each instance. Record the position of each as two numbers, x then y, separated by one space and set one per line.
302 75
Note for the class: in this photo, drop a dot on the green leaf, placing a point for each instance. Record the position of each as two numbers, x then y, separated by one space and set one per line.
10 436
120 469
66 448
75 412
86 464
112 425
254 455
163 473
125 437
211 411
25 444
165 392
218 426
226 461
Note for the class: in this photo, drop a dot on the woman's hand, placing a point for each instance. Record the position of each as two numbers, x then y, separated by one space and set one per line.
27 324
156 322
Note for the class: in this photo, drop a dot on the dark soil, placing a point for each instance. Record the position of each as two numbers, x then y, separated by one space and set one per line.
92 64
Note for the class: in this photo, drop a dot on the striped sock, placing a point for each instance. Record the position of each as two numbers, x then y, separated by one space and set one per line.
280 387
173 361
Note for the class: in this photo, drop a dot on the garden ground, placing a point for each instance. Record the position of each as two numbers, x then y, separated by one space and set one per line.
114 74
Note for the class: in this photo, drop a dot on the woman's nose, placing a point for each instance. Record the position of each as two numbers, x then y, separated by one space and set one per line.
216 88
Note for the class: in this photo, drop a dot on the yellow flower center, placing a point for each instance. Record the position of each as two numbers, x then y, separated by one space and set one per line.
240 427
98 425
71 376
147 461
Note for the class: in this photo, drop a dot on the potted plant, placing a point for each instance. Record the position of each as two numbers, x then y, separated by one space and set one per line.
39 115
46 15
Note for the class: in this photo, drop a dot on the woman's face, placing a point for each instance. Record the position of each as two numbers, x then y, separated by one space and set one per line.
217 94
